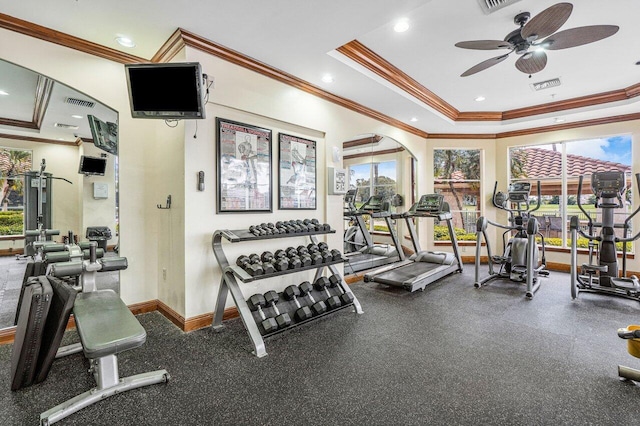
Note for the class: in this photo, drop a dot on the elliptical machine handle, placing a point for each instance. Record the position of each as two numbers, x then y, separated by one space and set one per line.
539 201
590 224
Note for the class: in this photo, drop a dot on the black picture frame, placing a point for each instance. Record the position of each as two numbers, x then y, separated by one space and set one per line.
243 154
297 173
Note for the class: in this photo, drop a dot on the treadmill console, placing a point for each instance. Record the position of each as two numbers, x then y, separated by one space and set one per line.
350 196
430 203
375 204
519 192
608 184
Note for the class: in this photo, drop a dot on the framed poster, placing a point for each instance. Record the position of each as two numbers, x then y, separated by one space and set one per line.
244 167
296 173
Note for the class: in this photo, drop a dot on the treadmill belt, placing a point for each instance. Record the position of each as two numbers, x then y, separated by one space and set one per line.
409 272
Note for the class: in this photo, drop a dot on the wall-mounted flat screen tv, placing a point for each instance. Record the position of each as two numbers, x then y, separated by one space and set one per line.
166 91
105 135
92 165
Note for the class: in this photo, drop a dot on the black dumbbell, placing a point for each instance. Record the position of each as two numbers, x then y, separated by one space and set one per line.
326 256
316 258
305 260
268 267
283 320
334 281
279 254
335 254
267 325
252 269
254 258
291 251
312 248
316 307
295 262
303 312
266 256
281 264
323 246
241 260
321 284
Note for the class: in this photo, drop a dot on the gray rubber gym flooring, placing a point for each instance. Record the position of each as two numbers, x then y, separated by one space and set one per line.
448 356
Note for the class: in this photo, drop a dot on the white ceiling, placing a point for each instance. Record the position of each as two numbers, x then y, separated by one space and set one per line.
300 38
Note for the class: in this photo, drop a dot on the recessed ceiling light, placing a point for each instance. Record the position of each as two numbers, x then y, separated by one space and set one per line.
77 116
559 120
401 26
3 93
125 41
327 78
480 98
413 119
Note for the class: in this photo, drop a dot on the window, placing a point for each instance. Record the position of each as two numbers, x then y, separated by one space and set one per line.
374 179
457 176
558 167
13 162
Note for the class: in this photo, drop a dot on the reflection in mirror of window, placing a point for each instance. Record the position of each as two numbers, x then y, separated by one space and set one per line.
374 179
558 167
13 163
457 176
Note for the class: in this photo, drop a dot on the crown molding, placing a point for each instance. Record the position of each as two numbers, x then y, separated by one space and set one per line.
367 58
34 139
47 34
370 60
229 55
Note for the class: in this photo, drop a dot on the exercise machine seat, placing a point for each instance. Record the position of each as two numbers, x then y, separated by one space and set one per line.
93 311
633 345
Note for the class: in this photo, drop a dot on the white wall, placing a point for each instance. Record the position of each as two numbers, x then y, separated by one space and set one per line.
242 95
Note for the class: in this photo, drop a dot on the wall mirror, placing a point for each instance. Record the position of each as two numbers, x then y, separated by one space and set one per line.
380 165
46 132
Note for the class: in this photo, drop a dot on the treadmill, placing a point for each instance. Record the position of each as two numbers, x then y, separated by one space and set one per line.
372 255
423 267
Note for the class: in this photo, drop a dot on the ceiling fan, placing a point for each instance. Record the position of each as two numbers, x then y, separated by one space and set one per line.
536 35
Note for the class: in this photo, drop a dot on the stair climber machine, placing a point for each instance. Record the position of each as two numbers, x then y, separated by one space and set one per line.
423 267
372 255
521 261
601 274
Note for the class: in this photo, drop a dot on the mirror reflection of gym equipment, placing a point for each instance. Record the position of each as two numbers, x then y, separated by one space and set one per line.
521 260
601 273
360 250
89 203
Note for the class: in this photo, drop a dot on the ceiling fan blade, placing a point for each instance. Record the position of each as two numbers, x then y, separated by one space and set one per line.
532 62
484 65
546 22
484 44
578 36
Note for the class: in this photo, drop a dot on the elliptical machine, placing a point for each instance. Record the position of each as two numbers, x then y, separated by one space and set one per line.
601 274
522 260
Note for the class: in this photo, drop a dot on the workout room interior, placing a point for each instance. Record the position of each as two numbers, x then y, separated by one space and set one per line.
465 116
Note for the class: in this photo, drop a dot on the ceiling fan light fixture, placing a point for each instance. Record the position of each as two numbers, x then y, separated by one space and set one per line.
401 25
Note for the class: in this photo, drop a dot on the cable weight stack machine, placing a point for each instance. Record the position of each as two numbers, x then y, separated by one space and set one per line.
233 275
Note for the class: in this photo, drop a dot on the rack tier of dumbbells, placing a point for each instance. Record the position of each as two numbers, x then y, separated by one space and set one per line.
270 313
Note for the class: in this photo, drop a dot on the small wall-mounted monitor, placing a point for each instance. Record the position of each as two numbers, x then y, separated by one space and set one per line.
166 91
105 135
92 165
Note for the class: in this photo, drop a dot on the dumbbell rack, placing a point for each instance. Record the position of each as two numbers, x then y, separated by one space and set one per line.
231 274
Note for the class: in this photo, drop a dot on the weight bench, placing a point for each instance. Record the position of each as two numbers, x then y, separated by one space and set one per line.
106 328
